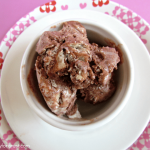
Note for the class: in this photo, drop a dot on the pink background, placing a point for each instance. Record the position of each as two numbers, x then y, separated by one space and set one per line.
12 10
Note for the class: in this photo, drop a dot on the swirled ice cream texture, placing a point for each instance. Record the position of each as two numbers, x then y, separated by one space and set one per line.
67 62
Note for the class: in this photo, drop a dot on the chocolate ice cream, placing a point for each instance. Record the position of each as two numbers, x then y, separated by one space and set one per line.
67 62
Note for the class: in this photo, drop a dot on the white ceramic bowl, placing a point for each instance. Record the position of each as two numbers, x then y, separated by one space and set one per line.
93 116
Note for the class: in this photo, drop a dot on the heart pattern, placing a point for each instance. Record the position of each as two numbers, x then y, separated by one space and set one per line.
82 6
100 3
64 7
131 20
48 7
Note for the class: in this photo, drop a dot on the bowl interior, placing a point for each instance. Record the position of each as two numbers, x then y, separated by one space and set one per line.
96 34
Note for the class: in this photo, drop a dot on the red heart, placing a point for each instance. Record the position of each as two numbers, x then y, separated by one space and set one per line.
53 2
100 3
107 2
94 4
54 9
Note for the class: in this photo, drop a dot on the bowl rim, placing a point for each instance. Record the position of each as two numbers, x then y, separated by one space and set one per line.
84 125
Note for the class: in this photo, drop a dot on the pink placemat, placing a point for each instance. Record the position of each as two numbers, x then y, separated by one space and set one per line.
12 11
